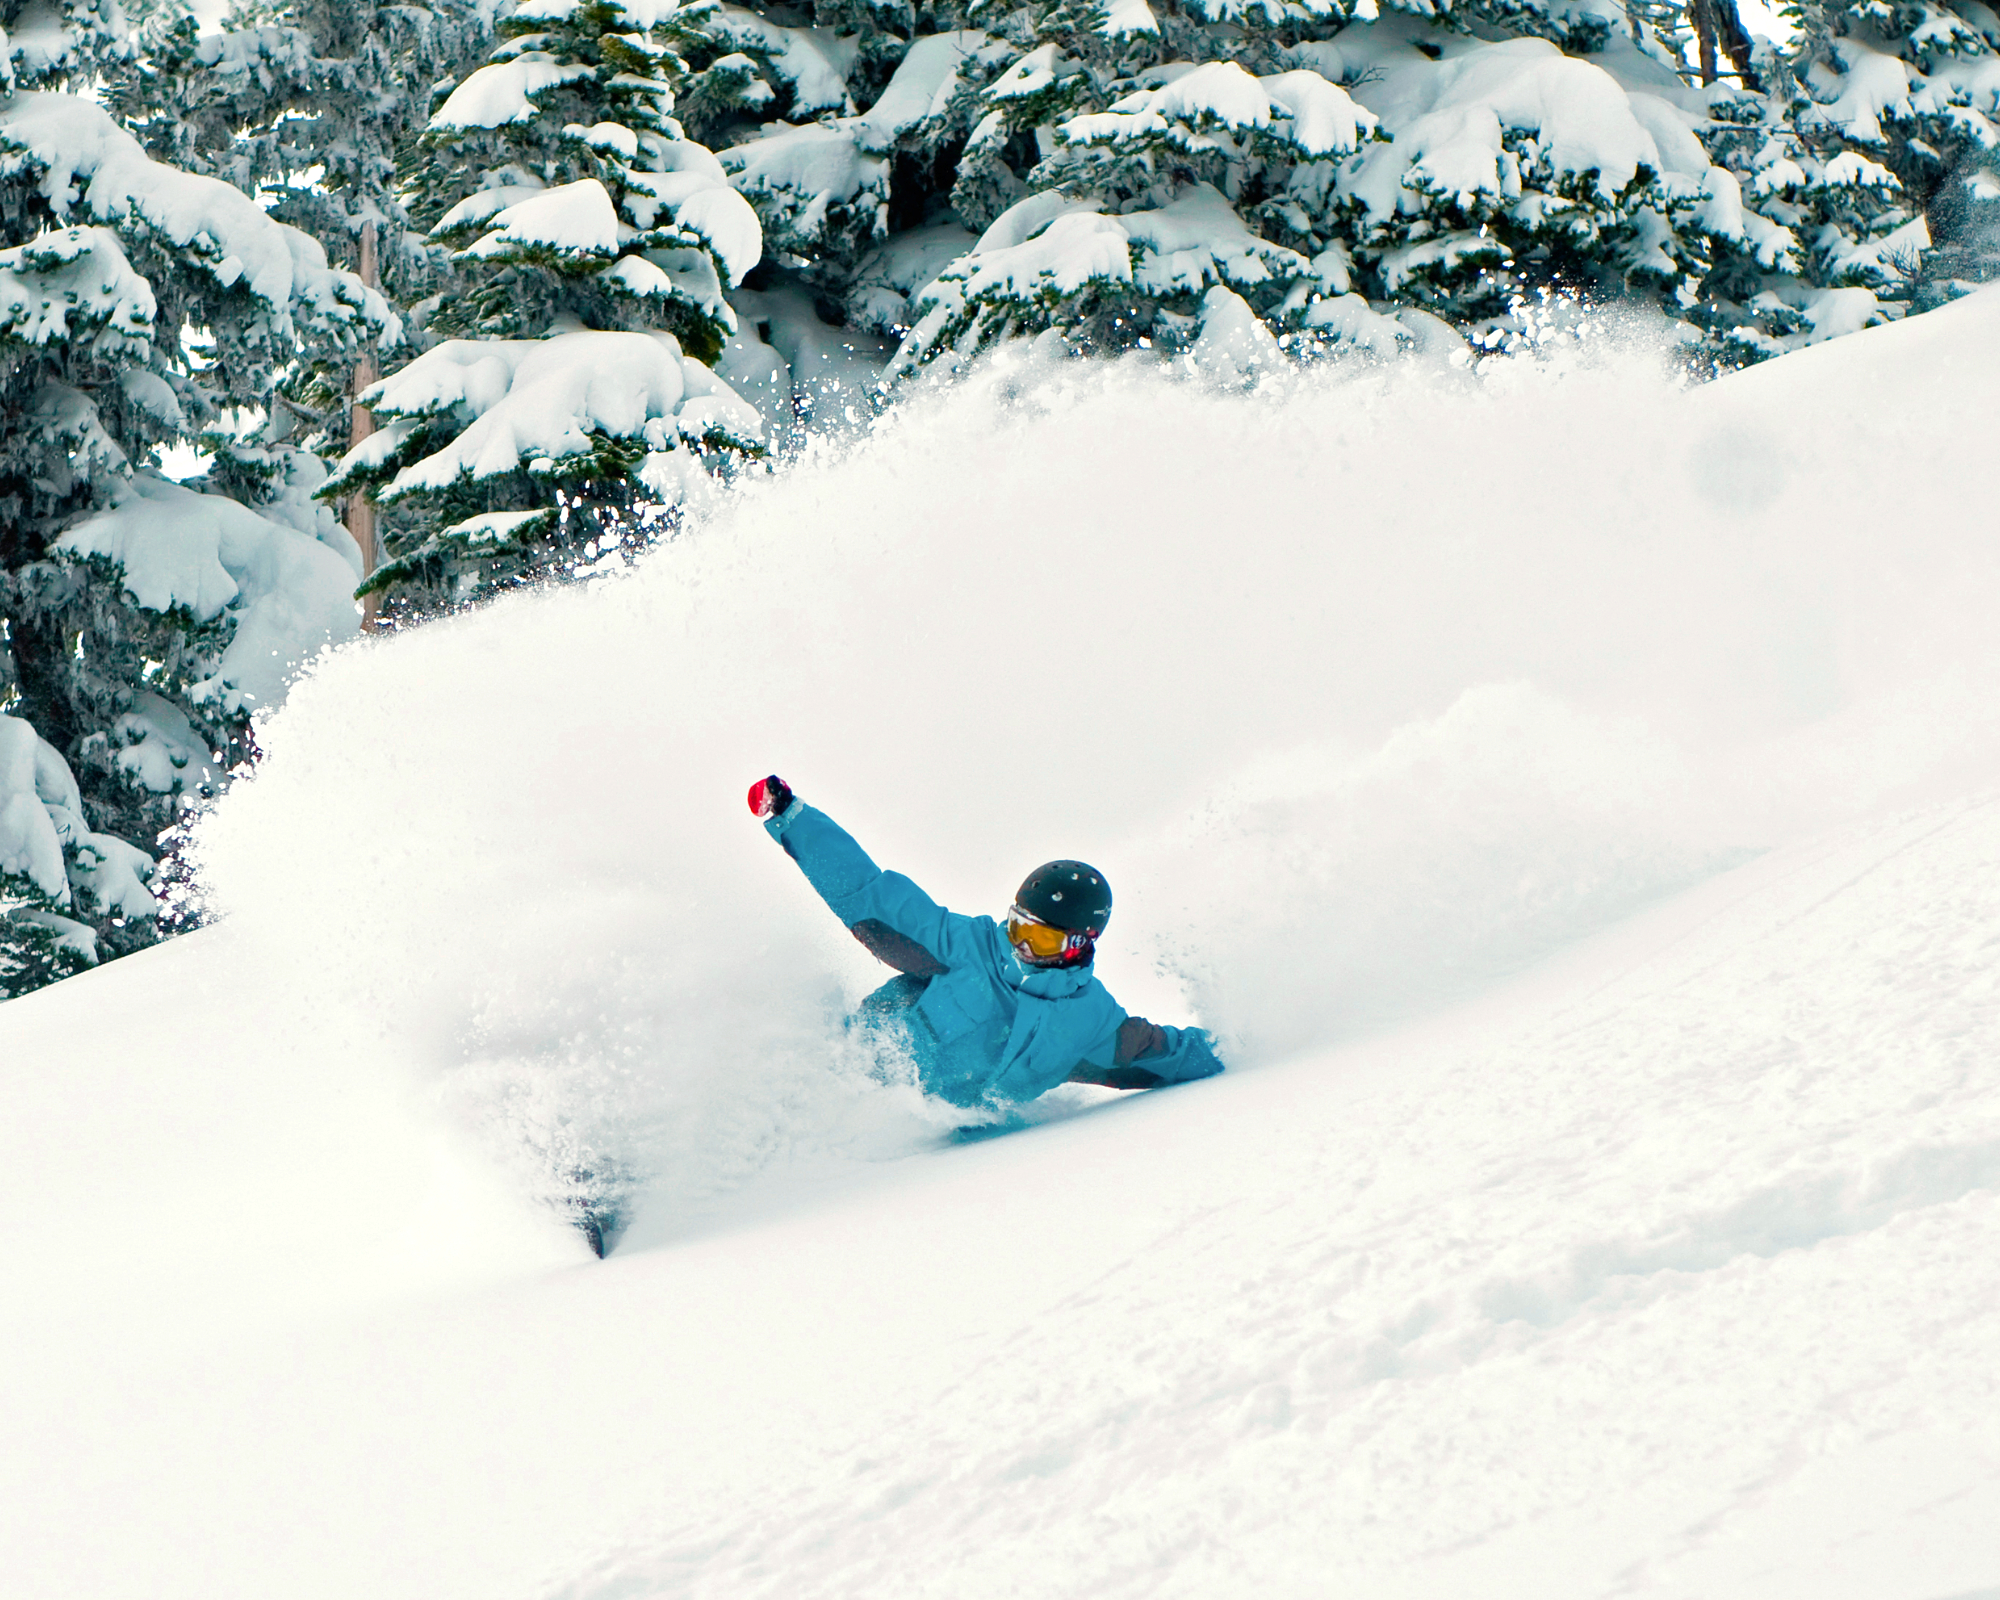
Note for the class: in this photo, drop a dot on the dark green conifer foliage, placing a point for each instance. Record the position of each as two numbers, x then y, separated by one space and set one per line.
311 106
143 305
601 104
578 218
1914 88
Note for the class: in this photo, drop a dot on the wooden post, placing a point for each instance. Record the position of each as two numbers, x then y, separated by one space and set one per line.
361 506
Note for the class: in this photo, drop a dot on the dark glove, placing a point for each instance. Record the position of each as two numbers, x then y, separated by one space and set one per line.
770 797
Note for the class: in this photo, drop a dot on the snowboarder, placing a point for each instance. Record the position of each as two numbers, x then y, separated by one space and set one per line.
992 1012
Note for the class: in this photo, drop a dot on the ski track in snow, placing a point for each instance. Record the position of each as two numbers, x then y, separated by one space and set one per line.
1590 1210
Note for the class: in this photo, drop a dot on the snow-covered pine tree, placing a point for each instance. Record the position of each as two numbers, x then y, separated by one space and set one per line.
1849 154
309 106
1813 250
846 137
141 621
1351 178
1909 91
570 409
1193 177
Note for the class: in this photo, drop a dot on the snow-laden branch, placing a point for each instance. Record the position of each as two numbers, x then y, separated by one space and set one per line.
86 166
830 179
284 593
74 285
540 405
1198 108
1049 249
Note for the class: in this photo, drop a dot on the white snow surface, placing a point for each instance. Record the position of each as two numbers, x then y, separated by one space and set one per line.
808 379
1591 865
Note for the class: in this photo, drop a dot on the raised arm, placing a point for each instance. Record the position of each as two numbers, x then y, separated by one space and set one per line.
890 915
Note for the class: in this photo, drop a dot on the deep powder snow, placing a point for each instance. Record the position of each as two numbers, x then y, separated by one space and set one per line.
1515 1256
1364 690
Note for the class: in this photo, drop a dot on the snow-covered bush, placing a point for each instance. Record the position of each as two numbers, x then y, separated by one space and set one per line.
594 244
141 622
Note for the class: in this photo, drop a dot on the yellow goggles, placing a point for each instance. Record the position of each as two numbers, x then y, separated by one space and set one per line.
1036 939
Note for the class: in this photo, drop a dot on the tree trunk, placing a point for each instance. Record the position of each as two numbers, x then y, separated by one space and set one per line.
361 507
1702 14
1716 22
1735 41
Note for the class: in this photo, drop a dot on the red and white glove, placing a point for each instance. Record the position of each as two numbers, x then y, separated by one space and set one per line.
770 797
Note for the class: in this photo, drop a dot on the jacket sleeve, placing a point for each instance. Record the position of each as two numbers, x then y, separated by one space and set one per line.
1149 1056
861 894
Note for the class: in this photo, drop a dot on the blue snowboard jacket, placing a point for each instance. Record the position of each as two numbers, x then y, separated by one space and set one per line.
984 1029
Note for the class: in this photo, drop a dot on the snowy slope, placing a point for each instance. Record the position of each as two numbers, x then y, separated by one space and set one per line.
1514 1258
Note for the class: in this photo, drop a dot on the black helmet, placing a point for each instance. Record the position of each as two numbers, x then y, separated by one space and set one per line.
1066 895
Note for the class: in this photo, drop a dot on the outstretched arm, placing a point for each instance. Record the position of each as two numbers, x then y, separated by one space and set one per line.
1148 1056
888 913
